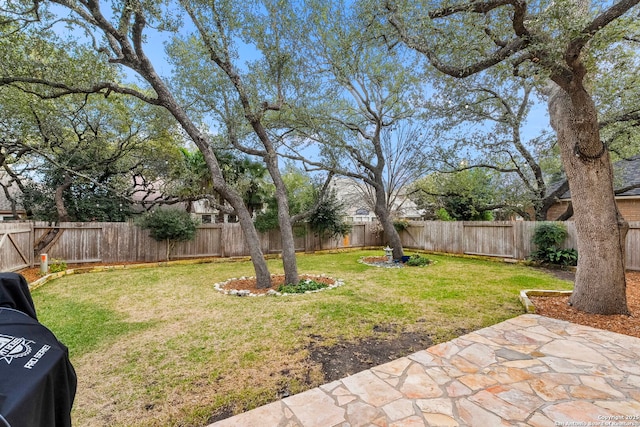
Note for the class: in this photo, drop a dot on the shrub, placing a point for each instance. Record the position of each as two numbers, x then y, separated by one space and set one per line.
328 218
416 260
170 225
302 287
547 237
443 215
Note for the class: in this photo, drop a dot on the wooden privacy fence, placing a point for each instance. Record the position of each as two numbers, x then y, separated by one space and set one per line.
505 239
125 242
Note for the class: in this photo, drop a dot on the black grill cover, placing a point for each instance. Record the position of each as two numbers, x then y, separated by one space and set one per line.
37 381
14 293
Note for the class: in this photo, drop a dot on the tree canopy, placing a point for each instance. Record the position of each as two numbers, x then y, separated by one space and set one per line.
79 157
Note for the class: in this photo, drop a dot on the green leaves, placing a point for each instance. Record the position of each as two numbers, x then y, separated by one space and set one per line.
328 218
547 237
549 234
169 224
464 196
302 287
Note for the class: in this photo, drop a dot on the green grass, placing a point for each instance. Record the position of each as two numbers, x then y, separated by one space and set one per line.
86 326
159 346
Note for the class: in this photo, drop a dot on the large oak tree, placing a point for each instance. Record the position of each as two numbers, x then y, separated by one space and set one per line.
557 42
118 32
362 118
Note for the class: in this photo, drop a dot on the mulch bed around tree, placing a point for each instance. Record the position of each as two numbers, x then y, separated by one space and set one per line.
559 308
249 283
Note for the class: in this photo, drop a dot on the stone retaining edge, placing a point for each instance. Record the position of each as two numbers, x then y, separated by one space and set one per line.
528 304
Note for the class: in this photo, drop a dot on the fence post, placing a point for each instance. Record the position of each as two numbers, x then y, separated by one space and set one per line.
32 242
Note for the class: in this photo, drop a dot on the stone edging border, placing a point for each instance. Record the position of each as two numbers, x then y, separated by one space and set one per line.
272 292
394 264
380 264
528 304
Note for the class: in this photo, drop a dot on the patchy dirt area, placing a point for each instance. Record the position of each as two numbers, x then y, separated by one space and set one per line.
346 358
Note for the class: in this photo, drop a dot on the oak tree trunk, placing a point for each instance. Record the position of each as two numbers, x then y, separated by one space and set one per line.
289 261
263 277
600 285
63 213
252 239
390 232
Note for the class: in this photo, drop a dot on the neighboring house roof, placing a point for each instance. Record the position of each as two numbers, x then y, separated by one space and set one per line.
5 204
357 200
626 174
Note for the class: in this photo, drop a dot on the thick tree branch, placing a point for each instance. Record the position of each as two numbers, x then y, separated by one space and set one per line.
609 15
508 49
62 89
472 6
631 116
568 213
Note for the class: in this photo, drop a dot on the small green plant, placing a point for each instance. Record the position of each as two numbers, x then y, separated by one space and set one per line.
302 287
416 260
564 257
57 265
547 237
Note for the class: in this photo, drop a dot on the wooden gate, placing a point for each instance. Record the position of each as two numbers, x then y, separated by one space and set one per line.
489 238
16 243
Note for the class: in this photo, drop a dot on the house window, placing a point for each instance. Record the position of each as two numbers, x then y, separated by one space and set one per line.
206 219
362 211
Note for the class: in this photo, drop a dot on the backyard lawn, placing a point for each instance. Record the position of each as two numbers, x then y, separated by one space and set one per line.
159 346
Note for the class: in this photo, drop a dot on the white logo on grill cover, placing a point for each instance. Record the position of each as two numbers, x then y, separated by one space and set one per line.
13 347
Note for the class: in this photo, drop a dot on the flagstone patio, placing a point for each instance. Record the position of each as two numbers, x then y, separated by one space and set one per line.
527 371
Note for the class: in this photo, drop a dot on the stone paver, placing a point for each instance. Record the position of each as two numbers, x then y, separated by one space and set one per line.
527 371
